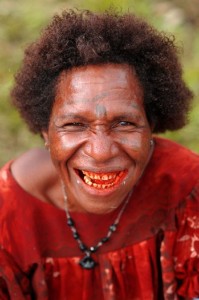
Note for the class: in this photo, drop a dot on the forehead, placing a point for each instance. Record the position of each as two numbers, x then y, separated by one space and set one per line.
94 83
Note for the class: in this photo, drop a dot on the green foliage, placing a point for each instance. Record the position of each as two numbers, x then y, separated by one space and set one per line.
21 22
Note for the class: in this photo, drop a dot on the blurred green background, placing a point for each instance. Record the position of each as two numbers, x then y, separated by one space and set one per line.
21 21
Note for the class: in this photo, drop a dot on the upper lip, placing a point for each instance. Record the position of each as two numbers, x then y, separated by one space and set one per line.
101 170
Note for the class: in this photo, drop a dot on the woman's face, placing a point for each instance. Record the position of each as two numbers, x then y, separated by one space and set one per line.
99 136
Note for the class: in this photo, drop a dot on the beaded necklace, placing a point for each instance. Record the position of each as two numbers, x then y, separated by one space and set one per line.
87 262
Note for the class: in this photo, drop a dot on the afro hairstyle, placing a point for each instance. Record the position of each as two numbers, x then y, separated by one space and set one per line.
80 38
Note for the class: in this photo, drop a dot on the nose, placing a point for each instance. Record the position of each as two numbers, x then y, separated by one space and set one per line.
101 147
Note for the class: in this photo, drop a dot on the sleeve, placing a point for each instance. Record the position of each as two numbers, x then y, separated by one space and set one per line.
186 247
14 284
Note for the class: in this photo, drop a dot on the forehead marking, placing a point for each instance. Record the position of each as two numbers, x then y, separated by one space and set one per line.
100 111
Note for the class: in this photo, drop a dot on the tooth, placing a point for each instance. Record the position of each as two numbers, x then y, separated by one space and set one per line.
100 186
86 173
87 179
105 177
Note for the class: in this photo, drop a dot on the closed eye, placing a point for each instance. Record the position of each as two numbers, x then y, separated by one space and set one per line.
125 126
74 126
126 123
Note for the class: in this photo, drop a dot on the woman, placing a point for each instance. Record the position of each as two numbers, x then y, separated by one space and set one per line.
109 211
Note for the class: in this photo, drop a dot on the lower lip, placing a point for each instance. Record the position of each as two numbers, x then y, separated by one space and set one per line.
103 192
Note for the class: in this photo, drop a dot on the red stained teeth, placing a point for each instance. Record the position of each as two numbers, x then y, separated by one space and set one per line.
102 180
100 176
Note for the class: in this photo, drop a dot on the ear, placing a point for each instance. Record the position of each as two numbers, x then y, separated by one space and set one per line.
44 134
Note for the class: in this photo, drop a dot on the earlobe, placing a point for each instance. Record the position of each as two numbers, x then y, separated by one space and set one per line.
46 139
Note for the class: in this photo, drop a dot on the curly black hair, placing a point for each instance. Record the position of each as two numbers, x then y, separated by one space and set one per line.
79 38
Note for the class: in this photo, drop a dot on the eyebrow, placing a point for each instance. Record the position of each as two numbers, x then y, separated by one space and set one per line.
70 116
130 116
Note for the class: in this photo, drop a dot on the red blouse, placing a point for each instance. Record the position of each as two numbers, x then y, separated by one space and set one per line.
154 254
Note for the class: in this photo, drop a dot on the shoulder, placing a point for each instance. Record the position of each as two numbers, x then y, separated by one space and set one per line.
171 175
166 145
33 172
174 157
31 166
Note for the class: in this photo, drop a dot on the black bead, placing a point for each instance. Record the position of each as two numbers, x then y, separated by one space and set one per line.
82 247
104 240
70 222
113 227
75 235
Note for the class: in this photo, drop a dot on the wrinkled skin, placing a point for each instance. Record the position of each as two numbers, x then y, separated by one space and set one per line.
99 125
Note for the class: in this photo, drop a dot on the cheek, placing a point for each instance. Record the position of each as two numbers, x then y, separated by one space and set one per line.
132 143
137 146
63 147
135 142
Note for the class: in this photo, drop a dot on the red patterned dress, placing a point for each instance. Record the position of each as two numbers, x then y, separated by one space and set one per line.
154 254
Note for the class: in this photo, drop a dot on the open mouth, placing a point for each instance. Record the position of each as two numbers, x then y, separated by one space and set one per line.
102 180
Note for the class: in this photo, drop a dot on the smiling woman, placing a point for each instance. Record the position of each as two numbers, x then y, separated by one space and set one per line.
98 138
107 201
